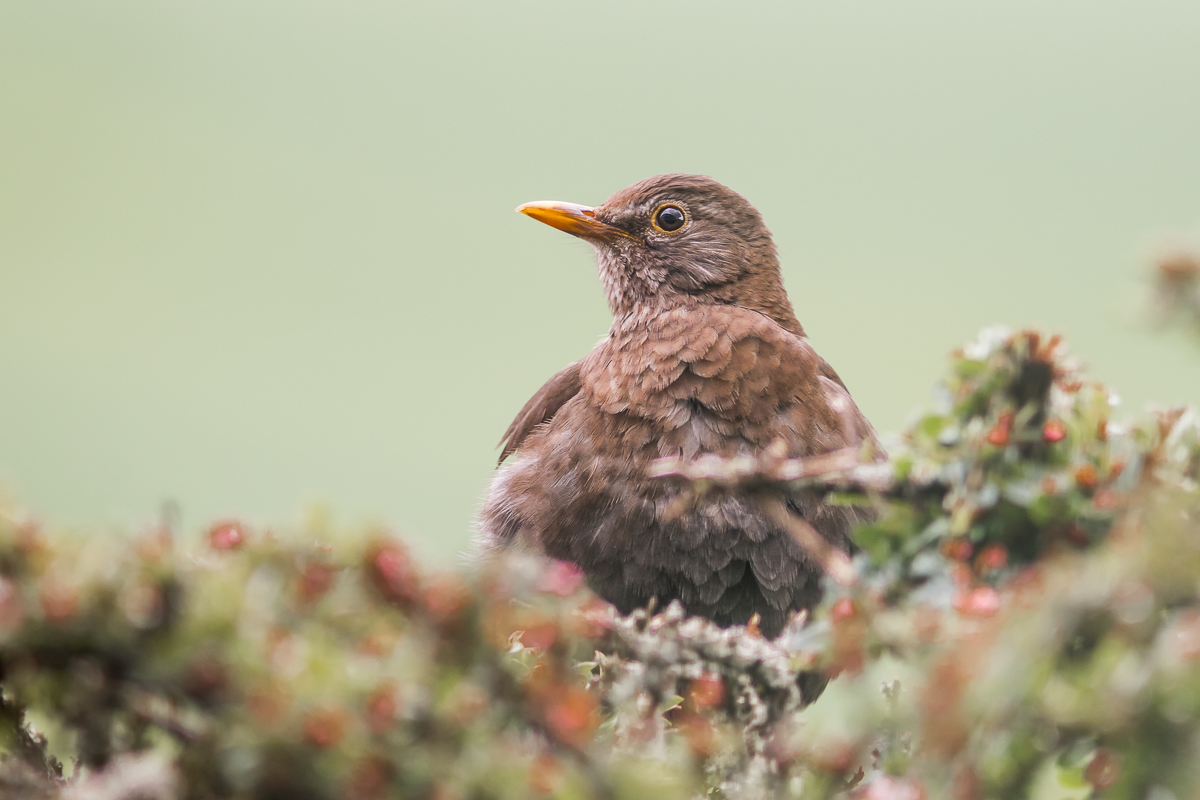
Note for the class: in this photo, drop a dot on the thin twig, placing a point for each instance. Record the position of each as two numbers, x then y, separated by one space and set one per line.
833 561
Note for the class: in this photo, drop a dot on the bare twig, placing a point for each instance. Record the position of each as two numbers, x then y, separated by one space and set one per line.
833 561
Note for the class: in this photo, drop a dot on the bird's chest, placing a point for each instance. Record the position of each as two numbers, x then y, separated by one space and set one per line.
660 405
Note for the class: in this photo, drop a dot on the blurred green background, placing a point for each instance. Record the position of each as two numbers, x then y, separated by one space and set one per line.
257 254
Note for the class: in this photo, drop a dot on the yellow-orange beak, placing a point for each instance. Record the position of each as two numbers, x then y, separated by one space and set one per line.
573 218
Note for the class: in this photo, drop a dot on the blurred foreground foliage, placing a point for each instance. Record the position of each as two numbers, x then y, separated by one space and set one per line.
1177 288
1022 620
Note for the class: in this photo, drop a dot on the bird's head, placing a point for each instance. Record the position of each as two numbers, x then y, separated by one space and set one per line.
677 239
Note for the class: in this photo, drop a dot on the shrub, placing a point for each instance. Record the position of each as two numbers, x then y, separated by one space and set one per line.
1021 620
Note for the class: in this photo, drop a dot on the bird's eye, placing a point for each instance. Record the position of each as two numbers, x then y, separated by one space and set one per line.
669 219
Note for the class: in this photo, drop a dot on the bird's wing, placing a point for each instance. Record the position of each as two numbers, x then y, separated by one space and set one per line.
804 402
853 419
827 371
541 407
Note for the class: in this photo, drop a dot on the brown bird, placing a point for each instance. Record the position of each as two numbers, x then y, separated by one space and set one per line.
705 355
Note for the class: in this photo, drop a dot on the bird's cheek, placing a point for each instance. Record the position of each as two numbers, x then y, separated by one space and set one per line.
695 275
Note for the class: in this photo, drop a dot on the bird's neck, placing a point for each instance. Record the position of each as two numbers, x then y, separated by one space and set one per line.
762 292
637 295
644 314
770 301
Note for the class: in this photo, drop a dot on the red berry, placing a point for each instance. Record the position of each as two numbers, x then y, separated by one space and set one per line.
391 570
315 580
842 609
382 706
572 715
1054 431
999 434
325 727
561 578
226 535
1104 768
982 601
1086 477
993 557
707 691
957 549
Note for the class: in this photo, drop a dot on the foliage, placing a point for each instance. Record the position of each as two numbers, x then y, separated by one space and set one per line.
1177 288
1022 620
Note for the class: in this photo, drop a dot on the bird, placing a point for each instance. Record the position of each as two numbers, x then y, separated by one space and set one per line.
705 356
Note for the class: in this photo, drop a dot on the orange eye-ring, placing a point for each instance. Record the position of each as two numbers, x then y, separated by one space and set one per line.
669 218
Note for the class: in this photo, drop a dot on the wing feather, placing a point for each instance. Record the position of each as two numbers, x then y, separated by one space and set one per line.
542 407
